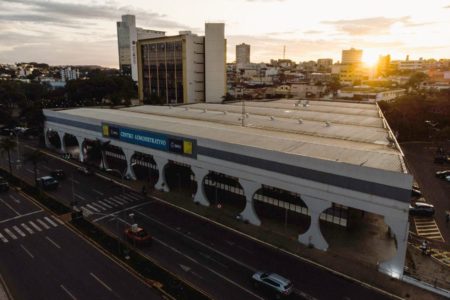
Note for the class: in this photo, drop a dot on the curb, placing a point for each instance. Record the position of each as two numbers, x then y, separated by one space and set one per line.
3 284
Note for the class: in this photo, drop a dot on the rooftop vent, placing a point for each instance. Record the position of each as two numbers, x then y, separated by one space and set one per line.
224 112
205 110
300 121
247 115
186 108
328 124
272 118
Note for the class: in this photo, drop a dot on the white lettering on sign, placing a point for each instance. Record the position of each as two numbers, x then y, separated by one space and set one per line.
126 135
150 140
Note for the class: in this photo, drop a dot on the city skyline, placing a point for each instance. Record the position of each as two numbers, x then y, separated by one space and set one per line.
59 32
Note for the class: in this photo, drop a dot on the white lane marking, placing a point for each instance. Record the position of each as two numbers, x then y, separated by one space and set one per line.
35 226
30 231
244 249
79 196
19 231
119 211
125 198
101 282
51 221
92 208
86 211
14 198
120 200
10 207
110 202
104 204
20 216
27 251
57 220
53 242
213 260
75 181
4 240
98 192
98 205
12 235
29 170
198 242
133 197
45 167
43 224
209 269
67 292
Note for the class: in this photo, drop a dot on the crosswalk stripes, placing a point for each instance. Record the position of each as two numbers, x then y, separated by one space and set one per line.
95 204
104 204
51 222
43 224
91 208
29 228
20 232
25 226
35 226
122 202
427 228
110 203
12 235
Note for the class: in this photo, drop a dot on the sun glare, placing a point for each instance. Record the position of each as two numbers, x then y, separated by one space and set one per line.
369 58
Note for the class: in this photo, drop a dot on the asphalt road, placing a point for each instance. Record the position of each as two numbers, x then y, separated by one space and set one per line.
214 259
42 259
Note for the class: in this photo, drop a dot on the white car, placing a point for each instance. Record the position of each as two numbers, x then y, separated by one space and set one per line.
273 282
447 178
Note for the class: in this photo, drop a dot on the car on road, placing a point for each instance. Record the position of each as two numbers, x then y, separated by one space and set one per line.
273 283
47 183
447 178
442 174
85 171
421 209
58 174
4 185
416 192
138 235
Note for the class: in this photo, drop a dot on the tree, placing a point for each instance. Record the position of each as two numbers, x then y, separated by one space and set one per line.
6 146
416 79
97 152
334 85
35 157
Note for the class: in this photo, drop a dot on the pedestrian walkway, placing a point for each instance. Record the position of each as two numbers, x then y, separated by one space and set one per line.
112 202
28 228
427 228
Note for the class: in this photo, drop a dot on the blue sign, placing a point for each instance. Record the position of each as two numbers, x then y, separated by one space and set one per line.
149 139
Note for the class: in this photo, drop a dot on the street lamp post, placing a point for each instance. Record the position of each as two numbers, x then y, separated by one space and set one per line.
121 174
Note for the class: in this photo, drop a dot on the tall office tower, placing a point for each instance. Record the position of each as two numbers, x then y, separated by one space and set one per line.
351 56
215 62
185 68
127 36
242 54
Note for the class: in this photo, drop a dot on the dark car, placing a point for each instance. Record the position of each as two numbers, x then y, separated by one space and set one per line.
85 171
138 235
4 185
442 174
58 174
421 209
47 183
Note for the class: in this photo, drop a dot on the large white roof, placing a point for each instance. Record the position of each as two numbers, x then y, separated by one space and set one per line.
344 132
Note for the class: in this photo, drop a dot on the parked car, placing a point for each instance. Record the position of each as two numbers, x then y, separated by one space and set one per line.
421 209
138 235
85 171
58 174
4 185
274 283
442 174
447 178
47 183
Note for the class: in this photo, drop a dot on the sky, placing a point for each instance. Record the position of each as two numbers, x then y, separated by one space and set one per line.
80 32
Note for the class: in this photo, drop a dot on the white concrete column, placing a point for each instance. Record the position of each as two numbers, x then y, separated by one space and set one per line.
128 154
313 236
161 163
63 145
80 146
200 195
249 213
47 141
104 161
399 228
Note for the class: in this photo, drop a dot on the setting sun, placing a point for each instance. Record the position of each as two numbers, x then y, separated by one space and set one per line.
370 58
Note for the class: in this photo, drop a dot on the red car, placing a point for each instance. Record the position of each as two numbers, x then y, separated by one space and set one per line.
138 235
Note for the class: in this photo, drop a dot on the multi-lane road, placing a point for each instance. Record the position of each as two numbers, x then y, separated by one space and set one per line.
41 258
214 259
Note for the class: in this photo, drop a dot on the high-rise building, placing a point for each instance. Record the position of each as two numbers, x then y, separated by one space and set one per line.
185 68
127 36
69 74
325 62
351 56
242 54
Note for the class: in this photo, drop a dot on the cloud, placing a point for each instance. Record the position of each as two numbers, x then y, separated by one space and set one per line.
371 26
313 32
61 12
